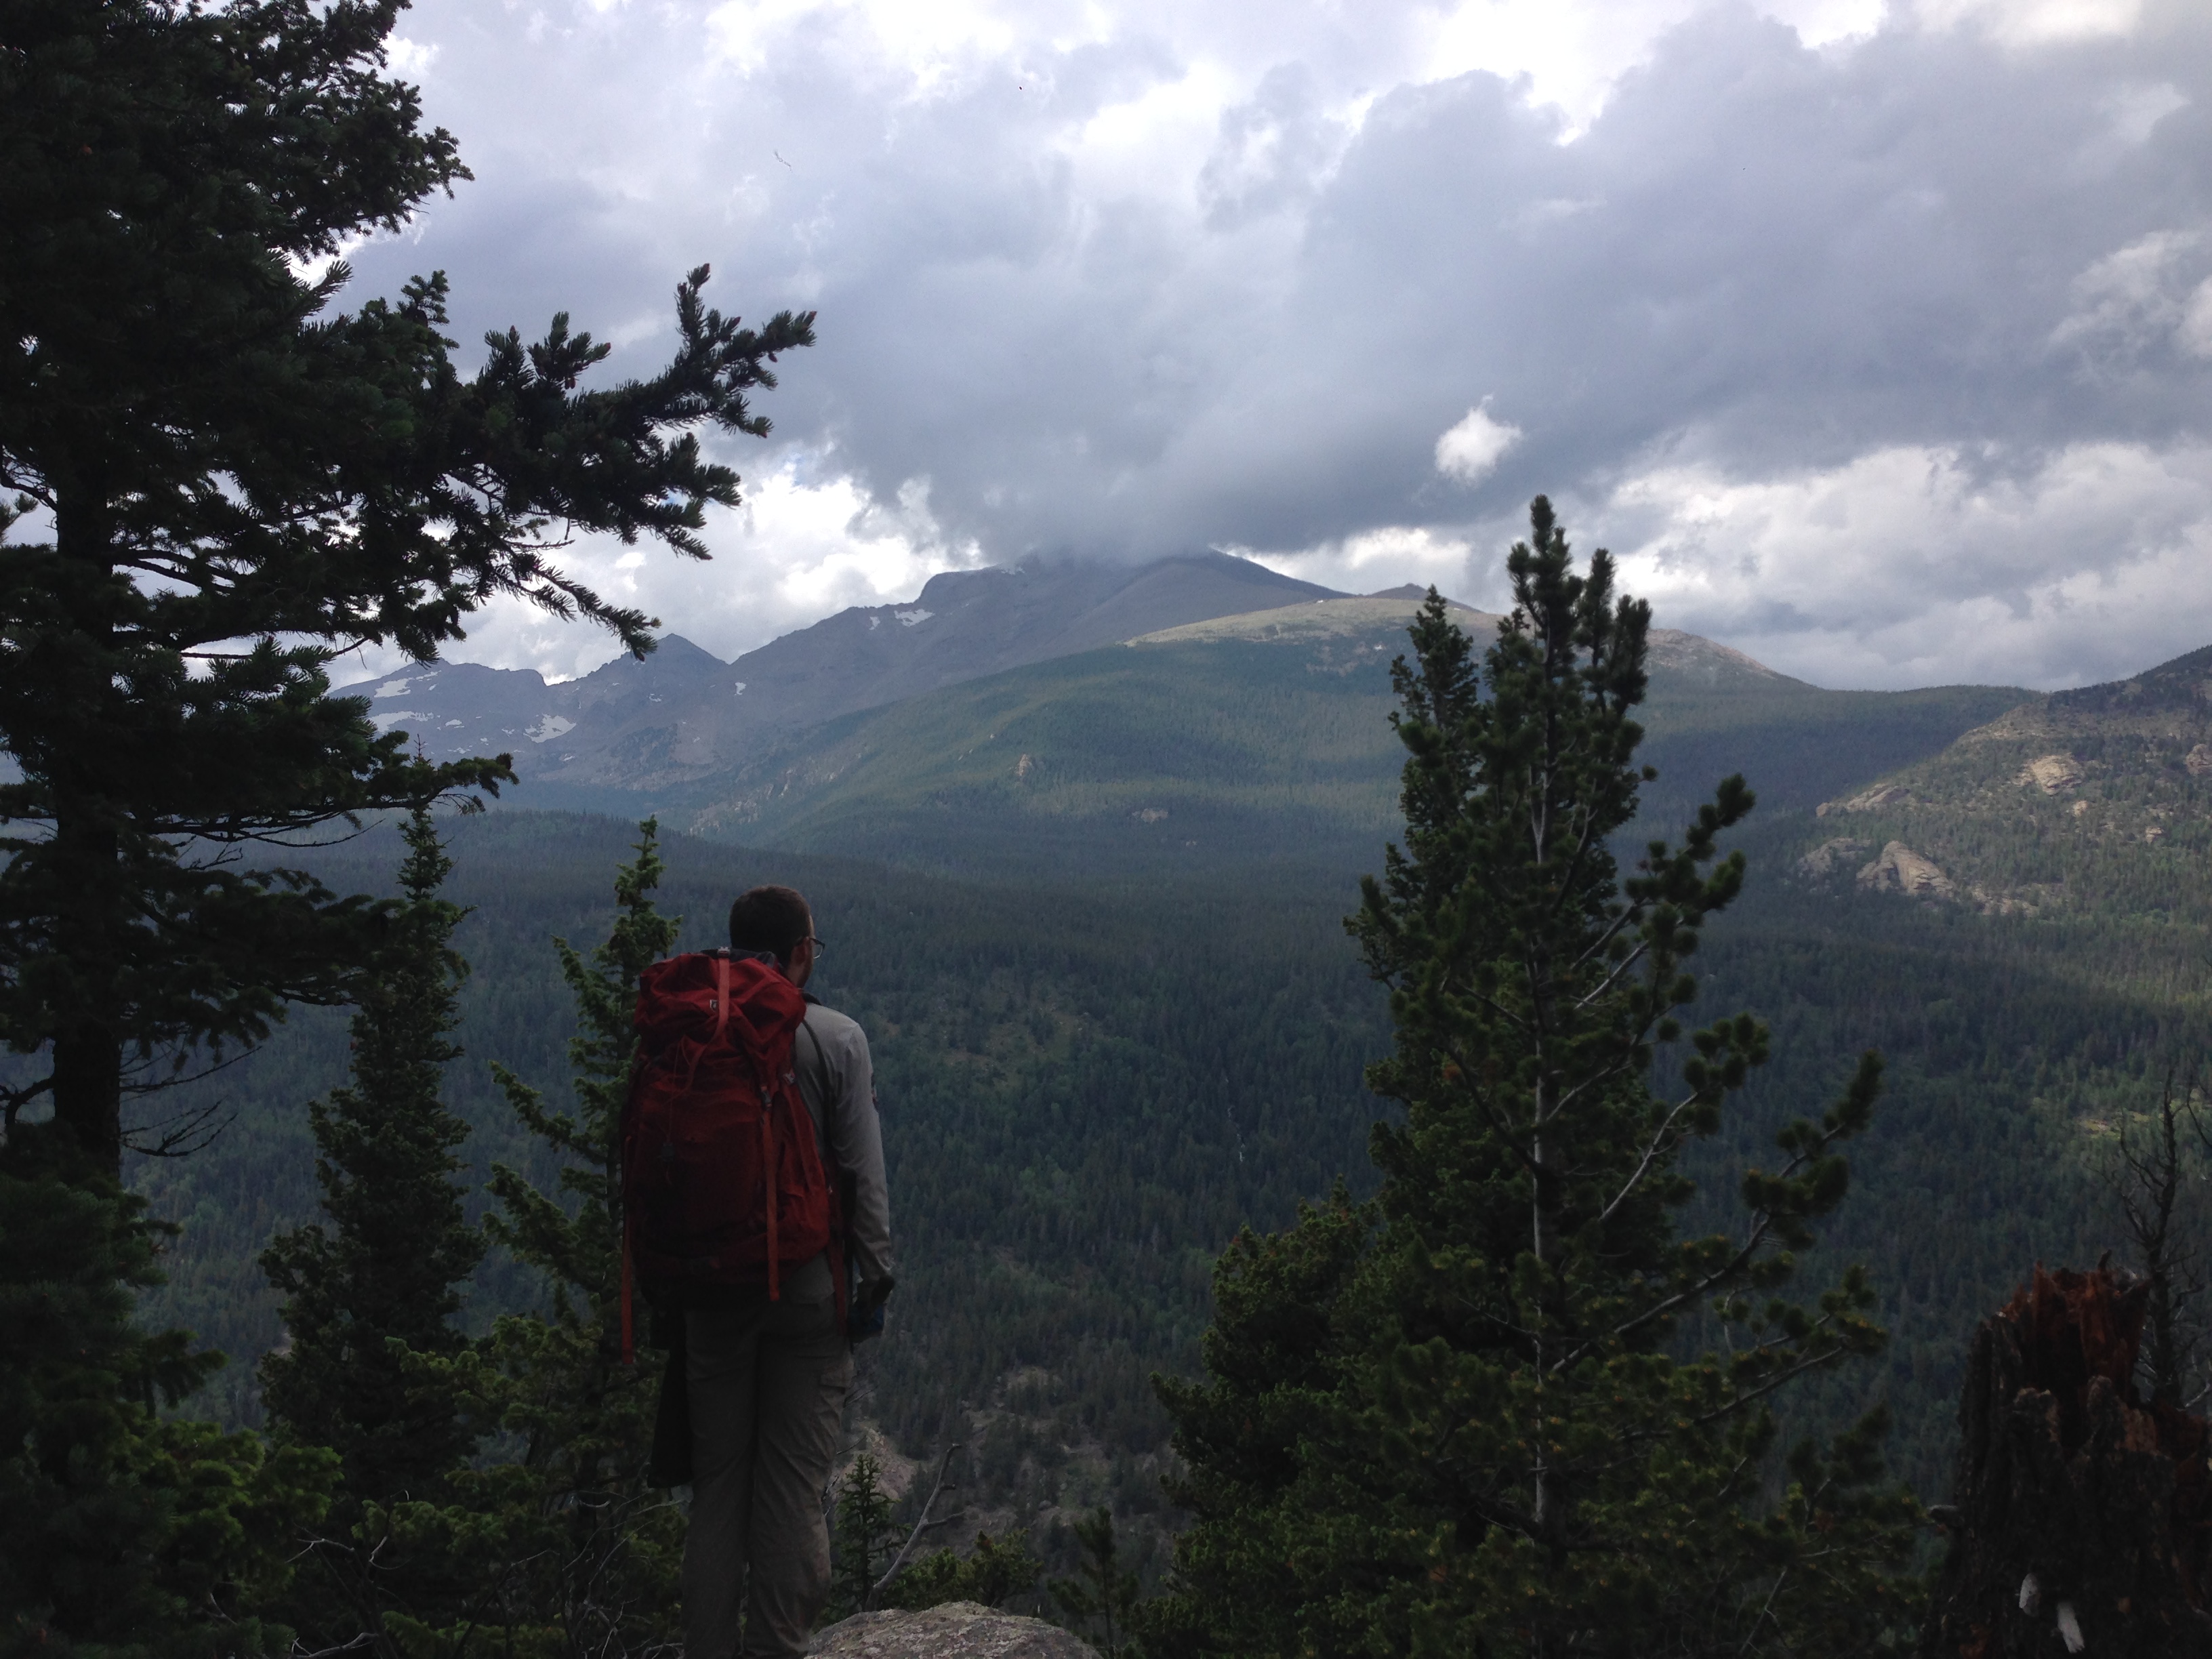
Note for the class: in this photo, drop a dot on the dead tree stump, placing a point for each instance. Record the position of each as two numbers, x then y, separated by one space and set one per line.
2083 1521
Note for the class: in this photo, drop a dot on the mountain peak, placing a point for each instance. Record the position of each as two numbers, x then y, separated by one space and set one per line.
1417 592
675 652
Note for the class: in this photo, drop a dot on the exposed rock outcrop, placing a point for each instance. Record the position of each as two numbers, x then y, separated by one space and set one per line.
957 1629
2052 773
2198 760
1881 795
1901 870
1831 858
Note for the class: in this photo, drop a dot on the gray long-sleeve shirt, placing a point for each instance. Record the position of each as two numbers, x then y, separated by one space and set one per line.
837 1080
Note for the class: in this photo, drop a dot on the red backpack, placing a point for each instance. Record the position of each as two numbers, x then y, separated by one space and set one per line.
722 1177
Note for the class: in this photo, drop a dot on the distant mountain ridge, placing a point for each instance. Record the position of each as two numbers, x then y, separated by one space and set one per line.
1263 736
683 713
683 716
1194 709
1684 661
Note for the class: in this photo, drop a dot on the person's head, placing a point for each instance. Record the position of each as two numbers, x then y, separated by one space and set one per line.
775 919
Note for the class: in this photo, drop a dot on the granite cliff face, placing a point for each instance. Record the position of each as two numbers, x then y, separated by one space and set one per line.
1901 870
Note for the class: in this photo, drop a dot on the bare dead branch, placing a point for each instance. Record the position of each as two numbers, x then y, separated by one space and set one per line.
366 1639
181 1136
898 1561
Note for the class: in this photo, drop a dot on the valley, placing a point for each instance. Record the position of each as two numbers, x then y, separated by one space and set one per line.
1090 907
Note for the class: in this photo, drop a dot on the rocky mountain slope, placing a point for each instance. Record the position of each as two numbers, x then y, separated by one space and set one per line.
683 713
1264 735
2099 796
1087 718
683 716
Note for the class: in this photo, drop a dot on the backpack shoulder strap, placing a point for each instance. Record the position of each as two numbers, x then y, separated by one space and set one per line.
821 1072
841 1179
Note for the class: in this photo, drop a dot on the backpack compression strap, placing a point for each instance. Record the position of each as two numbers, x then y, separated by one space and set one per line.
721 1022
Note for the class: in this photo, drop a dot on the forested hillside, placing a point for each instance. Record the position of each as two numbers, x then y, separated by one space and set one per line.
1088 1088
1107 1040
1085 1092
1216 747
2091 803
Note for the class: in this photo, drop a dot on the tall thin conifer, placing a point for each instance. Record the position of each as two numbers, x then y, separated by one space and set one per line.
1467 1418
380 1281
569 1550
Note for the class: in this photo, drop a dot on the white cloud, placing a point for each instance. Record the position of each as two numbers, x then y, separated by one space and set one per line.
1471 450
1913 566
2134 295
2138 107
410 59
2035 22
927 44
1377 559
1572 55
807 541
2195 333
1127 278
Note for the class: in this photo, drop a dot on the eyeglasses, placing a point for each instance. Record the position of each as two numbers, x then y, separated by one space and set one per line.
819 944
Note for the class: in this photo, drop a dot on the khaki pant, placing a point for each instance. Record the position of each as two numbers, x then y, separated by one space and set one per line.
768 1386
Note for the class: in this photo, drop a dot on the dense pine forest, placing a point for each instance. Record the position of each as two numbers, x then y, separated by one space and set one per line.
1088 1088
1085 1092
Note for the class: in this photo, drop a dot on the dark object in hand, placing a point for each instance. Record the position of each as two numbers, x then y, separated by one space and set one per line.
866 1318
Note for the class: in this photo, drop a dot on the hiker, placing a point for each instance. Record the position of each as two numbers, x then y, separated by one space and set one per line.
766 1366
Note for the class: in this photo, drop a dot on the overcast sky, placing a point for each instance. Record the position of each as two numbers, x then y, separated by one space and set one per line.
1876 340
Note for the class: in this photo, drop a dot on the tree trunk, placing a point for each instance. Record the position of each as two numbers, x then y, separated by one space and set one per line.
2084 1515
88 1033
89 1094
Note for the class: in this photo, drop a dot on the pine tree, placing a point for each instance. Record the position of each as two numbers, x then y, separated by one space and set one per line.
860 1538
569 1550
123 1533
1104 1593
1469 1417
381 1283
220 485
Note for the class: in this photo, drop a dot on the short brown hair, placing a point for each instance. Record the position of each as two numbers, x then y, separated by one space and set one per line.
772 919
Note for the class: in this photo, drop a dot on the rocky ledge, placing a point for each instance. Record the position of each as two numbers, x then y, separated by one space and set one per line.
957 1629
1901 870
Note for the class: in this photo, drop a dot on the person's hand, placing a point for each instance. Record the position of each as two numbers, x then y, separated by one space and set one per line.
866 1318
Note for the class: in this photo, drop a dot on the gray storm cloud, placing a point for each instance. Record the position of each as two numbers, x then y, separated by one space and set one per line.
1887 358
